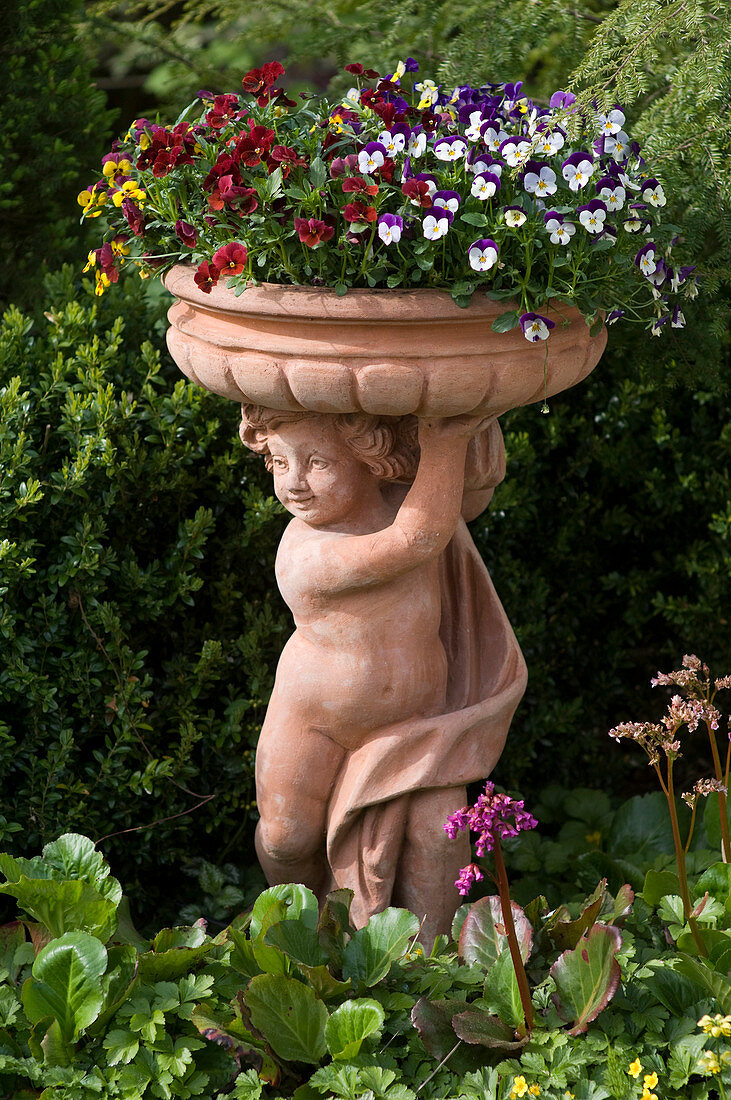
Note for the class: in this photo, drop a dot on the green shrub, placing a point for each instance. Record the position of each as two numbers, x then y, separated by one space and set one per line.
54 123
139 625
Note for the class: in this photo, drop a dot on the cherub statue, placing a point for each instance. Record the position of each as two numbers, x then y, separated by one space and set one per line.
400 680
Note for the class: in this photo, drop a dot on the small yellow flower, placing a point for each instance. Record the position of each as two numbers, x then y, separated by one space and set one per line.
649 1081
593 838
520 1087
647 1095
90 260
708 1062
534 1090
635 1068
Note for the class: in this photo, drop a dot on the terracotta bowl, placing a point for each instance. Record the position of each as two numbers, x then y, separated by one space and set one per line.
388 352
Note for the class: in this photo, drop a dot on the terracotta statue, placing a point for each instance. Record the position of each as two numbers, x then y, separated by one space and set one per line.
400 680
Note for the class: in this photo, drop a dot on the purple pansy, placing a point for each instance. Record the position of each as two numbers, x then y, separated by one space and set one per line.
394 140
562 100
592 216
539 180
483 254
493 134
514 216
448 199
653 193
515 151
436 223
535 327
390 228
658 323
450 149
561 232
611 192
678 320
646 259
549 141
617 145
615 316
577 170
371 158
485 186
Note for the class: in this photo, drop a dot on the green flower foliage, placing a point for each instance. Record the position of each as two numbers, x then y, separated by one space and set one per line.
138 622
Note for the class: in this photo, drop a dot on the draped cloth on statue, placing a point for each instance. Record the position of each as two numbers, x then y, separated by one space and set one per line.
486 679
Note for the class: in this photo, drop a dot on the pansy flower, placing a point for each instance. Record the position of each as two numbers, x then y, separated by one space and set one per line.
493 134
206 276
611 122
450 149
115 169
535 327
370 158
514 216
653 193
187 233
230 259
515 151
448 199
540 181
615 315
678 320
358 212
485 186
635 219
560 231
436 225
657 325
561 101
617 145
357 185
472 119
611 192
550 141
646 259
394 140
417 192
577 170
483 254
390 228
417 144
312 231
592 216
429 94
134 216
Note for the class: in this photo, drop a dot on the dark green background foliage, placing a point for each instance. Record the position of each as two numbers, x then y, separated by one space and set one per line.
53 129
139 626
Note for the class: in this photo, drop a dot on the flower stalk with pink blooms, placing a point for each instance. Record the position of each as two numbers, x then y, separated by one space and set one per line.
495 816
662 741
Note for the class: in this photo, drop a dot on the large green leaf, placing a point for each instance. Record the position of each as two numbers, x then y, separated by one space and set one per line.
641 829
371 951
298 902
74 856
587 977
65 985
564 932
68 906
175 951
476 1026
482 937
289 1015
297 941
350 1025
502 992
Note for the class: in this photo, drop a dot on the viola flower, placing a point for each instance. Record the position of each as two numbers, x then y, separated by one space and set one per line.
514 216
535 328
231 259
493 134
187 233
593 215
390 228
550 141
450 200
611 192
92 201
646 259
394 140
615 316
617 145
657 325
429 94
483 254
224 109
341 166
653 193
417 192
357 185
611 123
287 158
678 320
417 144
436 225
515 151
577 170
473 121
311 231
485 186
129 190
634 222
450 149
541 181
116 169
560 231
206 276
259 82
358 212
135 217
370 158
562 100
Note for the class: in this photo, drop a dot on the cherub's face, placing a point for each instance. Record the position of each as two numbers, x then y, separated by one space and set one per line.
316 477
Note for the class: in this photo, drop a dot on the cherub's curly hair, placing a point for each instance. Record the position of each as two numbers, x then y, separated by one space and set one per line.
387 445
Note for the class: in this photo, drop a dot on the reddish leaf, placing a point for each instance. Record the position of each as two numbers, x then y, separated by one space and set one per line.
482 938
587 977
567 933
479 1027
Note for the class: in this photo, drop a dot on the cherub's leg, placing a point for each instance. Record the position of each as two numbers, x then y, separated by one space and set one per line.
295 772
430 861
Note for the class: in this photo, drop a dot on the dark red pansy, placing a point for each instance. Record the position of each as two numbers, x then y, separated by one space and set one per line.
135 217
231 259
187 233
206 276
357 185
311 231
417 191
359 212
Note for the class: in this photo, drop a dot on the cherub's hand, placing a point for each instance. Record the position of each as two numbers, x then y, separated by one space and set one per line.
445 428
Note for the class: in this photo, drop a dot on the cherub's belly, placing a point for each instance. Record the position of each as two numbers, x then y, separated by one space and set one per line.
346 693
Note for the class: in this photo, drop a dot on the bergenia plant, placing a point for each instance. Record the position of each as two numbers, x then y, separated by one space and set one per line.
403 183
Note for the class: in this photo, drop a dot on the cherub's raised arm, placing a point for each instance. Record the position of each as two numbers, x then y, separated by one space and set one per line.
423 525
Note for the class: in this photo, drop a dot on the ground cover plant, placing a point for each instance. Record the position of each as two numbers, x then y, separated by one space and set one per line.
624 993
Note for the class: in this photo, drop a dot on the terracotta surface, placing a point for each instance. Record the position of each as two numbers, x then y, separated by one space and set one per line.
399 683
301 347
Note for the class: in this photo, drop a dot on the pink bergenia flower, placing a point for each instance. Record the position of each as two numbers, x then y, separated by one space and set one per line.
493 817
